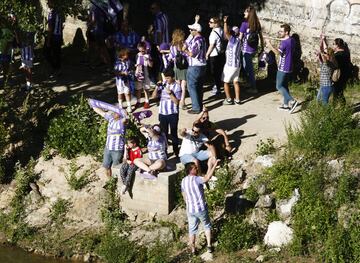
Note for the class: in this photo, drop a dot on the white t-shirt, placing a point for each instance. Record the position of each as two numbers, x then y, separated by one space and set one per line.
191 144
214 39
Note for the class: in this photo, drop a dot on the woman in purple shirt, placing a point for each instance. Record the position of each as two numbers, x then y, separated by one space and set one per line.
250 33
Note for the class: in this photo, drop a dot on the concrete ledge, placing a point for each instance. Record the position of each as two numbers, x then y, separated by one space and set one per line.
150 196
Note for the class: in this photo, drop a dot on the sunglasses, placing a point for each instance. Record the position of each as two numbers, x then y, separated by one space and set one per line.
195 132
211 22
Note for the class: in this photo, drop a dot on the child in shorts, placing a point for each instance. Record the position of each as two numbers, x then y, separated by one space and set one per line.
143 62
122 73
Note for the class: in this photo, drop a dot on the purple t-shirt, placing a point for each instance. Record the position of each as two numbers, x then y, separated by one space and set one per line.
115 133
286 50
167 106
193 188
244 28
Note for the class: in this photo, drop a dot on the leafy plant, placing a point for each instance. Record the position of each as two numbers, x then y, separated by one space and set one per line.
59 210
237 234
264 148
158 253
325 130
77 182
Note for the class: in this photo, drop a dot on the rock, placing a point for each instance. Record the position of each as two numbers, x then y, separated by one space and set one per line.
265 201
236 164
345 214
265 160
149 237
329 192
278 234
249 180
261 190
260 258
284 207
259 217
87 257
207 256
337 169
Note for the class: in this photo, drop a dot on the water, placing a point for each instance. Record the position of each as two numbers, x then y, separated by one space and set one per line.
16 255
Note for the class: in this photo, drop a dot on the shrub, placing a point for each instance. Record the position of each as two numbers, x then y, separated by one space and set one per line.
325 130
159 253
59 210
77 182
237 234
264 148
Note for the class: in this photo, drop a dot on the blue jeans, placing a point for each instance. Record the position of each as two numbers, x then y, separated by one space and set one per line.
171 120
194 220
282 85
112 157
249 68
195 81
324 94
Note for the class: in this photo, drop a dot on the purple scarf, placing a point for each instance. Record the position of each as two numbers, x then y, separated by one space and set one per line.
106 106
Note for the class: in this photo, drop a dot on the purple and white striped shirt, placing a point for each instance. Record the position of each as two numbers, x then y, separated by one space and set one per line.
27 53
55 21
233 49
115 133
121 66
142 59
197 46
193 188
161 25
157 149
129 41
244 28
167 106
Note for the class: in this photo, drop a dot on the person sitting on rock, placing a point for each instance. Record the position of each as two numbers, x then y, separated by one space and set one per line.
193 141
156 146
128 168
208 128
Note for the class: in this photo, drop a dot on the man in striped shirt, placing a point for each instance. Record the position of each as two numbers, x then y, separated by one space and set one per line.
170 95
195 51
115 140
192 189
161 27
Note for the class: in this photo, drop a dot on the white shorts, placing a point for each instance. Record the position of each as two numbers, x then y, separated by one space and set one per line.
230 74
122 87
145 84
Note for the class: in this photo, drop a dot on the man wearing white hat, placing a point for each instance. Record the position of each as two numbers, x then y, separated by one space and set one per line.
195 51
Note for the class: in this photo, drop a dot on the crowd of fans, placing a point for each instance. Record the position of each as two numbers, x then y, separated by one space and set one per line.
155 66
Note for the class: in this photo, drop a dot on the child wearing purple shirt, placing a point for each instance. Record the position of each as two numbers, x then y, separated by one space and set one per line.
170 95
285 51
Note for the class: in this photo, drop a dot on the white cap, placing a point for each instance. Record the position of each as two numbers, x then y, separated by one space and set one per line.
196 27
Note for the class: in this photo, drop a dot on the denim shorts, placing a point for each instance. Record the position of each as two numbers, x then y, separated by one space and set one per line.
112 157
200 155
194 220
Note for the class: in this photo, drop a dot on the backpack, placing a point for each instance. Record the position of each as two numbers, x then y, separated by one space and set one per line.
253 39
223 44
181 61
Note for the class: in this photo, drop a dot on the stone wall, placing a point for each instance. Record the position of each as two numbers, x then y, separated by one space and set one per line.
308 18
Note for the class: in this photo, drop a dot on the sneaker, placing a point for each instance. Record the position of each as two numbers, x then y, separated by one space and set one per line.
293 106
214 91
128 109
227 102
209 249
146 105
284 107
237 102
123 189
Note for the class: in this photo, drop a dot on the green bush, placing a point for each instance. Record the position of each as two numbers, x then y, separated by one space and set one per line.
158 253
77 182
76 131
237 234
325 131
264 148
59 210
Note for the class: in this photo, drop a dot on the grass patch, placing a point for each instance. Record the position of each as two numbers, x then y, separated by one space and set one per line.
77 182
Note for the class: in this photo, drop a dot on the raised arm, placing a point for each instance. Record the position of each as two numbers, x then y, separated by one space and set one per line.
269 45
227 34
99 111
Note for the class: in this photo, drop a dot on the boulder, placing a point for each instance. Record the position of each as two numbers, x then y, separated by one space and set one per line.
265 160
258 217
284 207
278 234
337 168
265 201
149 237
